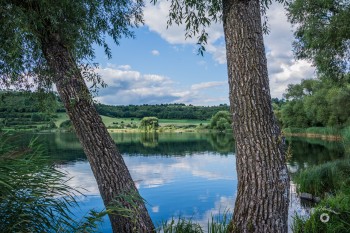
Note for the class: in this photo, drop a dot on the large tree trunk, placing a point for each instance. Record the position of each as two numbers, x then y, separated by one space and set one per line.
263 180
112 176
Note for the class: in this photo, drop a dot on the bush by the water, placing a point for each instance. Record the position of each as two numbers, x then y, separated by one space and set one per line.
221 121
332 182
325 178
332 215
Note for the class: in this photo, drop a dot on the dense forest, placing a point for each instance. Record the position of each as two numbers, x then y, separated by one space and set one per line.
161 111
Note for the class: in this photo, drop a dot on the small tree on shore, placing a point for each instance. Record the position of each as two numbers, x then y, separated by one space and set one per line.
149 123
221 121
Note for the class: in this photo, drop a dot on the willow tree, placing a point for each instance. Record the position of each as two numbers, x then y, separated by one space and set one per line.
49 42
263 181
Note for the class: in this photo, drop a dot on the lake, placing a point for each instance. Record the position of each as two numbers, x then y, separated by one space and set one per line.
179 174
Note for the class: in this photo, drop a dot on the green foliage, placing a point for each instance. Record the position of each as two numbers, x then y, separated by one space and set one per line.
337 208
161 111
221 121
346 135
34 196
317 102
67 125
26 25
322 34
199 15
149 123
181 225
328 177
218 224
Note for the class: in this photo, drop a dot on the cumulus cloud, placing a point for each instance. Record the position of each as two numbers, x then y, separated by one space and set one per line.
283 68
205 85
155 52
150 174
156 17
281 64
128 86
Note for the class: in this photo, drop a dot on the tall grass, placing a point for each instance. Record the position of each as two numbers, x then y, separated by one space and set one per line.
217 224
346 140
34 196
328 177
332 215
323 130
313 130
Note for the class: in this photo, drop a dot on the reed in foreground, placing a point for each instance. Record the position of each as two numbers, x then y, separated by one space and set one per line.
217 224
34 196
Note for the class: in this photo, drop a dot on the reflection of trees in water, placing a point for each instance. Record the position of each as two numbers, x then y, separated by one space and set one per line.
308 152
149 139
222 142
155 144
64 147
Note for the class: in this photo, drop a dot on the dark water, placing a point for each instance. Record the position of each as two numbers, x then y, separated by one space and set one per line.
189 175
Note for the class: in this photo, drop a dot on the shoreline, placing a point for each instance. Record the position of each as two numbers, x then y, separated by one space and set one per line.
315 135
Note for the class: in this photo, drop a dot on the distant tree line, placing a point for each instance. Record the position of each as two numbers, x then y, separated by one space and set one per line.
161 111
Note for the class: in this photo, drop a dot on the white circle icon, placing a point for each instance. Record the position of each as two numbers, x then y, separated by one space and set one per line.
324 217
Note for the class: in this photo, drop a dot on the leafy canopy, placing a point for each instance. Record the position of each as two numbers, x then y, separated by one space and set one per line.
198 15
79 24
221 121
322 34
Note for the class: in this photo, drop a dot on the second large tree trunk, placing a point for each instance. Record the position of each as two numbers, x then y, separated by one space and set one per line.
112 176
263 181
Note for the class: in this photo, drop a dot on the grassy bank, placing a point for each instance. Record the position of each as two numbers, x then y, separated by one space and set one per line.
331 181
327 133
113 124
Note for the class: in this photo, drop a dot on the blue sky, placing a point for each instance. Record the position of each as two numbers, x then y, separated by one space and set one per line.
160 66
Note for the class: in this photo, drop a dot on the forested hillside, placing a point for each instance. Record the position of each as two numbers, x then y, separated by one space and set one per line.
161 111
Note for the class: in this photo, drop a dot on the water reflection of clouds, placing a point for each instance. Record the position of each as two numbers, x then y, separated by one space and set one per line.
149 173
152 172
81 177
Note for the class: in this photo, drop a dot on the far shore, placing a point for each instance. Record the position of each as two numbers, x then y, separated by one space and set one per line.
314 135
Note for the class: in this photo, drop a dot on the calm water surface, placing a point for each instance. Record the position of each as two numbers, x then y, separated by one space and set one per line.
189 175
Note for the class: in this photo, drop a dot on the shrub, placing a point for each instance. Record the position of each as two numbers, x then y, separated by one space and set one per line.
221 121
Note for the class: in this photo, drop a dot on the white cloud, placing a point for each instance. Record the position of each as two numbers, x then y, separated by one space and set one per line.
156 17
205 85
132 87
155 52
278 43
150 174
283 68
124 67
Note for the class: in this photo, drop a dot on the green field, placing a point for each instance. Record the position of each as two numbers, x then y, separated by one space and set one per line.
112 121
181 122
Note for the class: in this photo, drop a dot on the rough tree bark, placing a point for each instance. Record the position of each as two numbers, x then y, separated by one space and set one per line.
263 180
111 173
